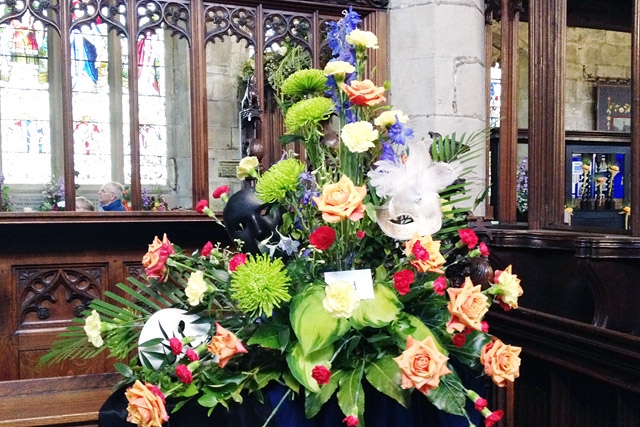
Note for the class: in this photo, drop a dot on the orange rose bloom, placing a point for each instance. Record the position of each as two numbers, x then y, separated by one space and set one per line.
154 261
364 93
501 362
422 364
467 306
146 405
224 345
341 201
435 260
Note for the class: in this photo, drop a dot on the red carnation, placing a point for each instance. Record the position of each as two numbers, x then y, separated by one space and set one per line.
323 237
201 206
192 355
321 374
176 346
484 250
360 234
236 261
218 192
480 403
351 421
420 252
403 280
184 374
493 418
458 340
206 249
440 285
484 326
468 237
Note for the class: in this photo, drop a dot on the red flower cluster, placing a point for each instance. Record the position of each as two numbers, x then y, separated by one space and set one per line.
440 285
420 252
206 249
493 418
201 206
218 192
236 261
184 374
403 280
321 374
192 355
351 421
323 237
468 237
176 346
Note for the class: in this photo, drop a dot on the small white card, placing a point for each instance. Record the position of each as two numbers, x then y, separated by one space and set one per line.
361 279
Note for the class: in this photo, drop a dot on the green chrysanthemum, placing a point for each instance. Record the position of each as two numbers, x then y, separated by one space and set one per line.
282 177
304 82
260 285
303 117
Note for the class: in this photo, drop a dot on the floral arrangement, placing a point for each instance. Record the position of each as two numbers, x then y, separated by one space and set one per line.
522 186
5 198
153 203
53 196
369 276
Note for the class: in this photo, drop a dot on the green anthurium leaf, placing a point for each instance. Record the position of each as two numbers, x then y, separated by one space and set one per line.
302 363
385 375
377 312
314 327
469 354
411 325
351 394
313 401
447 396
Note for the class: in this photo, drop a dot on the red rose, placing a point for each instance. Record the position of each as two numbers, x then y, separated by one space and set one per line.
176 346
360 234
236 261
218 192
484 250
184 374
468 237
480 403
192 355
206 249
493 418
351 421
440 285
321 374
323 237
201 206
458 340
420 252
402 281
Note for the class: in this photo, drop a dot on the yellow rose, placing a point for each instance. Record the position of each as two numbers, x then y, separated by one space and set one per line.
365 39
92 327
388 118
359 136
341 68
341 200
146 406
509 287
422 364
364 93
501 362
435 259
224 345
341 298
196 288
467 306
248 166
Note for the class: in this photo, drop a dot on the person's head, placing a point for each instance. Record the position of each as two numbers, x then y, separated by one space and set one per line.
110 192
84 205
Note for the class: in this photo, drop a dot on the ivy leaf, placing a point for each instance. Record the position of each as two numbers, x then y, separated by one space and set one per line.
385 375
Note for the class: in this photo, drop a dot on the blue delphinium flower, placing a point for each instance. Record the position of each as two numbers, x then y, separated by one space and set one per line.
398 133
146 201
309 185
336 37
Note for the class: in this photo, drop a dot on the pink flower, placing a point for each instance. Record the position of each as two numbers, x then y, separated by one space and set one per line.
351 421
484 250
360 234
493 418
484 326
468 237
420 252
440 285
480 403
236 261
184 374
458 340
218 192
201 206
154 261
176 345
323 237
402 281
206 249
192 355
321 374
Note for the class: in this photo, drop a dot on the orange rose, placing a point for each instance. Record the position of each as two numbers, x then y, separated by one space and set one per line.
467 306
435 259
422 364
364 93
154 261
224 345
146 406
341 201
501 362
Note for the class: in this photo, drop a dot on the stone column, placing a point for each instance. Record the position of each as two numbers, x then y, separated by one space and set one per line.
437 69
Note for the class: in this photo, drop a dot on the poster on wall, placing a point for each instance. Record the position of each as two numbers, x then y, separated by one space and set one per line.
614 107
